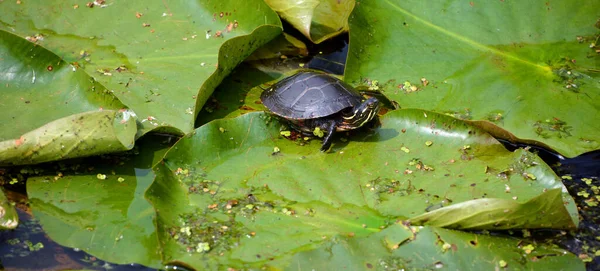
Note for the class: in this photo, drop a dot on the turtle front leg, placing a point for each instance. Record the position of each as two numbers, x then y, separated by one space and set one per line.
330 127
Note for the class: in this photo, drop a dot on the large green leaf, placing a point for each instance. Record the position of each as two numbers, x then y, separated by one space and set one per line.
500 214
238 177
421 161
39 87
528 67
100 207
430 248
79 135
317 20
162 60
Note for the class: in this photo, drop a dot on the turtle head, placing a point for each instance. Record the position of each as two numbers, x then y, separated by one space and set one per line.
361 114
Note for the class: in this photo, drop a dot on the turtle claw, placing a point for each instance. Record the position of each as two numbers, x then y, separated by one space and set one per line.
330 126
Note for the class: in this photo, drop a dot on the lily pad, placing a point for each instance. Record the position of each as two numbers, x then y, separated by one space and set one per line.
162 60
527 70
99 205
393 166
427 248
499 214
79 135
317 20
39 87
229 193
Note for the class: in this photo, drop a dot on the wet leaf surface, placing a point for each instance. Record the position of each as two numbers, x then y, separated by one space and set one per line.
224 190
99 205
529 68
400 169
162 60
317 20
426 248
39 87
501 213
79 135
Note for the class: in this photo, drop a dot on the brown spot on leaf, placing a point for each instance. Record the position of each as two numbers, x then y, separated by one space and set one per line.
245 107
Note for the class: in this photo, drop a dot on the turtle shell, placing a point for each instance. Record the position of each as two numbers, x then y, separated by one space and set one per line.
309 95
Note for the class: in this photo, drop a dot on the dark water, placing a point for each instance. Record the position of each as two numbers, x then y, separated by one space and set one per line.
21 249
584 166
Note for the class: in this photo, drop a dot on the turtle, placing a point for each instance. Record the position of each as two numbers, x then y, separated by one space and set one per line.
316 101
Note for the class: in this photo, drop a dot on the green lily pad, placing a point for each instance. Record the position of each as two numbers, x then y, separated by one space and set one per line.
500 214
318 20
162 60
79 135
39 87
100 207
394 166
428 248
527 69
235 179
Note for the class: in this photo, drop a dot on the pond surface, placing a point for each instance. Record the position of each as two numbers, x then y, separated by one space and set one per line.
27 247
